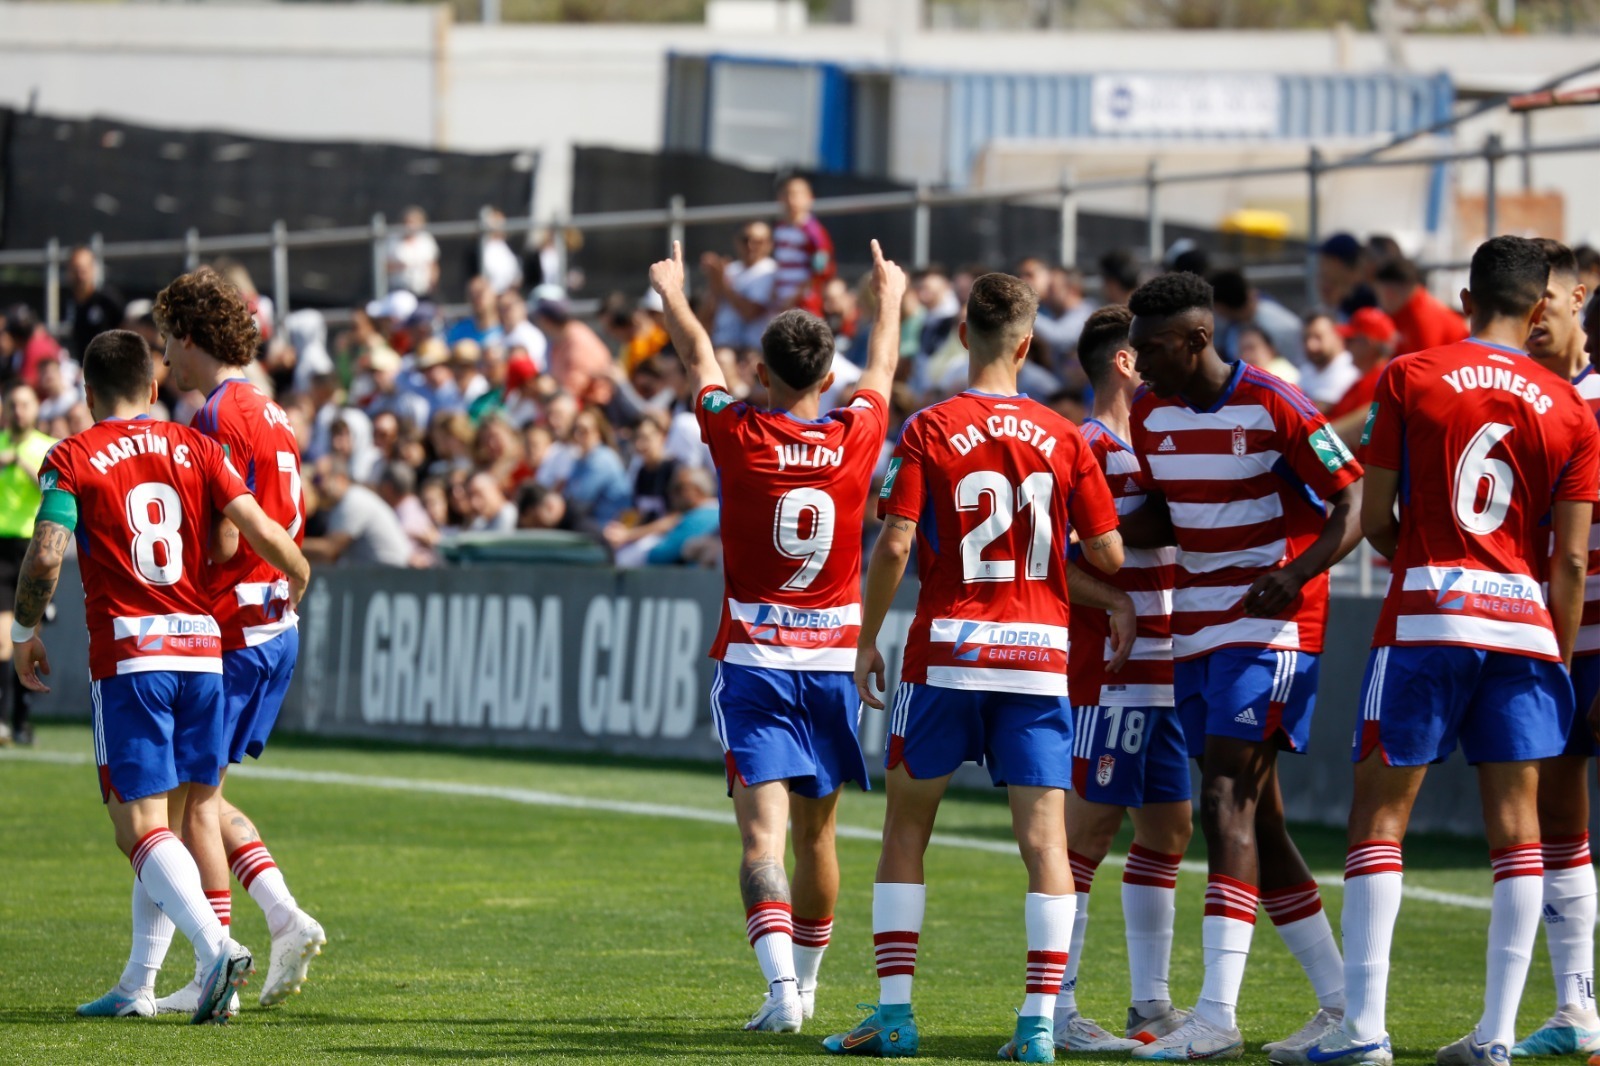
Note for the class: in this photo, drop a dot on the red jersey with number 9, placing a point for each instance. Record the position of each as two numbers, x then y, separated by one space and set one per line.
250 596
794 494
147 495
996 485
1486 441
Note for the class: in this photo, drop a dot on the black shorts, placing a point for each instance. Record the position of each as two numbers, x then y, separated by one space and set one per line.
12 550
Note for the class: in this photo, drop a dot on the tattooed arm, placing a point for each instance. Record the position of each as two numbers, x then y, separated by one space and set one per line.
41 569
1104 551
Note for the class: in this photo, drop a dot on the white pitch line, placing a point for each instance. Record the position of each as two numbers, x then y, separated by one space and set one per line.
535 798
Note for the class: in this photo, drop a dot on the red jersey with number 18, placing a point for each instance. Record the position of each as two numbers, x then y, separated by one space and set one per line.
250 596
1486 441
794 494
996 485
147 494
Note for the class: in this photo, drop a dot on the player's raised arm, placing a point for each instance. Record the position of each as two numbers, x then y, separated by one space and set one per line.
883 351
271 542
689 337
884 571
36 584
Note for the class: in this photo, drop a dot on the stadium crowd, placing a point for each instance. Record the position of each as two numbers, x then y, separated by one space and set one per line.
417 427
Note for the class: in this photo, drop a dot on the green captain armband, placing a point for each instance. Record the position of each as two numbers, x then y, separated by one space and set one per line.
59 506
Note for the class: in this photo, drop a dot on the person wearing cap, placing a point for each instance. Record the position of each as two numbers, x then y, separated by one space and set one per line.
384 366
577 357
433 378
1422 320
466 360
519 331
1371 336
1340 276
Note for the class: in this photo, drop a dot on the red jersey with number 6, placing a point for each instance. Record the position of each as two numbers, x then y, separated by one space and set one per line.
147 495
794 494
250 596
996 485
1486 441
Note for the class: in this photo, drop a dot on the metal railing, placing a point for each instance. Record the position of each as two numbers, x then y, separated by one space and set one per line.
280 242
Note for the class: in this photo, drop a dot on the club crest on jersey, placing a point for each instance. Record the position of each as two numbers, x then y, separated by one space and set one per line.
1238 440
1102 773
1330 449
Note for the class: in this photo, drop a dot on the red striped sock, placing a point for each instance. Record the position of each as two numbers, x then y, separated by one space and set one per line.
1373 857
1083 869
1285 905
146 844
1152 869
766 918
1228 897
249 862
813 932
1045 970
221 902
896 953
1565 853
1519 860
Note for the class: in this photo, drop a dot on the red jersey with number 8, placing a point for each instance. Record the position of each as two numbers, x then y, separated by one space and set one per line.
250 596
147 495
1486 441
794 494
996 485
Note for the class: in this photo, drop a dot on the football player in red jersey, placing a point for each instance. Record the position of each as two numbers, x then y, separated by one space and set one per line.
991 486
1557 344
1261 497
1480 447
795 481
142 498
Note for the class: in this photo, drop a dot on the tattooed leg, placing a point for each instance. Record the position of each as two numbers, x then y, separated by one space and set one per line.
763 812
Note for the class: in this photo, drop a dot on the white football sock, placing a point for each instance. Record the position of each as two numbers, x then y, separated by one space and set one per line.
811 938
770 928
152 935
1569 917
172 881
1149 910
1302 923
1372 878
897 911
1083 870
1513 926
1049 924
1225 934
259 875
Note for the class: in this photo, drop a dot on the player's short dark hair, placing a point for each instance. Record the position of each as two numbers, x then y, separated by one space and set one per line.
1562 260
1507 277
117 366
798 347
1121 267
1171 294
1000 311
1104 332
206 309
1230 289
1398 271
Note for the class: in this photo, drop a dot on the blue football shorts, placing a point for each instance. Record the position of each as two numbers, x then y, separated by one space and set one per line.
788 725
1129 756
155 730
1023 738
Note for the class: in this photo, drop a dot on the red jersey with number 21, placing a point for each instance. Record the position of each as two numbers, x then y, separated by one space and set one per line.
1486 441
996 485
250 596
794 494
147 494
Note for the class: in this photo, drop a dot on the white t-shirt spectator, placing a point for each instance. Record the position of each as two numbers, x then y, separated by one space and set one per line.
412 257
754 282
526 336
685 444
501 267
504 521
1328 385
376 536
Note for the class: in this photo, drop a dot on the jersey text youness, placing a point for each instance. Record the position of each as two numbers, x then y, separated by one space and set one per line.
1145 680
794 494
147 494
996 485
250 596
1485 441
1245 482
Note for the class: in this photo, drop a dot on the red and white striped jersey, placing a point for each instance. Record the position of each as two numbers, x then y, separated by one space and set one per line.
1588 386
1244 481
804 254
794 495
1486 441
147 494
996 485
1146 576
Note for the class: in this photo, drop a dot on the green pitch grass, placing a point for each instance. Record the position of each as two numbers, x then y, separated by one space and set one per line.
472 928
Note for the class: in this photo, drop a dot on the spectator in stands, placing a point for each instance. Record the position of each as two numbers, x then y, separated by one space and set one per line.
740 291
694 498
1256 349
802 248
1119 276
519 331
491 511
56 397
413 255
1421 320
386 439
435 497
1330 370
1588 266
497 263
1372 337
26 345
842 313
450 439
598 481
389 318
350 445
1063 309
384 366
90 309
482 324
465 359
941 305
497 450
397 488
435 378
307 331
1341 266
577 358
1184 256
541 507
651 470
1240 304
361 529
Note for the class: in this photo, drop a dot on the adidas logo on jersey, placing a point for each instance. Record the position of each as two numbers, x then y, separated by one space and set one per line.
1246 717
1167 446
1131 486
